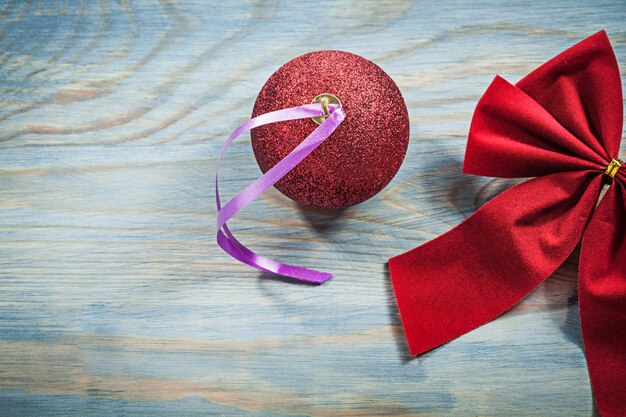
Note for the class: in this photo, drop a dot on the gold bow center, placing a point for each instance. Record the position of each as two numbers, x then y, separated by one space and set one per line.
613 167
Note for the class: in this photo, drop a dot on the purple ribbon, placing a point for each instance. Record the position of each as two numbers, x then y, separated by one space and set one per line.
225 238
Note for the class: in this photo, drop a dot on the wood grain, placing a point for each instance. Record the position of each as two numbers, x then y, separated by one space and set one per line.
114 299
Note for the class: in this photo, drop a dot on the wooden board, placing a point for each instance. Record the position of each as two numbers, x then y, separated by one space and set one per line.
114 298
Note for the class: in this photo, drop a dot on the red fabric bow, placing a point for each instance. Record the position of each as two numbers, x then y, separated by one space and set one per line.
562 124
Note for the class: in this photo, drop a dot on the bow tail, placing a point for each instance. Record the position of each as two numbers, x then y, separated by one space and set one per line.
602 301
481 268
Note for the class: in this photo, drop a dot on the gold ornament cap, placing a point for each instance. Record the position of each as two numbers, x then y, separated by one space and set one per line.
324 99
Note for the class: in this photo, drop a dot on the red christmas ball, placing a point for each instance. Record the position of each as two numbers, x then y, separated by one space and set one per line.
361 156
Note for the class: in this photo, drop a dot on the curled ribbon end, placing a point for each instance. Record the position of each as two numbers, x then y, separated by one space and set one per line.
323 279
308 276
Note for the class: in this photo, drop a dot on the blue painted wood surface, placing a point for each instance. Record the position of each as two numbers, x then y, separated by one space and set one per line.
114 299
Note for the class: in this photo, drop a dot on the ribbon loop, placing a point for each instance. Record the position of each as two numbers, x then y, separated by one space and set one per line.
225 238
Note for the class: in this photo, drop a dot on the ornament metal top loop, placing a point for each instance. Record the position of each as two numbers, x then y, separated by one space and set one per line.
324 99
613 167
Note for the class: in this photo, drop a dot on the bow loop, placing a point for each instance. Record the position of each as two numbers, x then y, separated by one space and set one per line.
566 115
514 136
582 89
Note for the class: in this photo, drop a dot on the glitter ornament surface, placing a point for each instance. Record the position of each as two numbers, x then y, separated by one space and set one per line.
362 156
